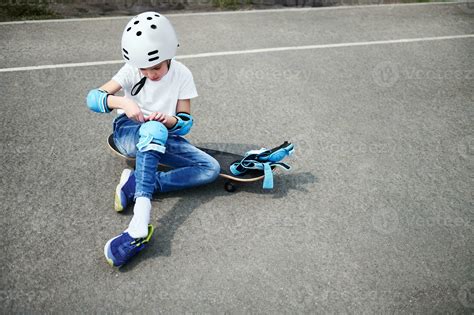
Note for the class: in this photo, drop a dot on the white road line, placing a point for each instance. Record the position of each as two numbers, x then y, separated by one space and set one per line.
249 51
380 42
64 65
238 12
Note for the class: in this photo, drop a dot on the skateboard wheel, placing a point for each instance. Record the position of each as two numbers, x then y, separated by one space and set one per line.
229 187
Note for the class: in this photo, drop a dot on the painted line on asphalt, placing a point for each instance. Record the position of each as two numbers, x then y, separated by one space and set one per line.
250 51
344 7
323 46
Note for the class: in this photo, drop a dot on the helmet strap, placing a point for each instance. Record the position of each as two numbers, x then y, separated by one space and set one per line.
138 87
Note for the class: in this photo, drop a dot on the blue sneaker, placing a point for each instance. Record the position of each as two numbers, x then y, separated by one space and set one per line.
120 249
125 190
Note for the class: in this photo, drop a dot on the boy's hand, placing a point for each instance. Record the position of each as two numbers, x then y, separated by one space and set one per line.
132 110
158 116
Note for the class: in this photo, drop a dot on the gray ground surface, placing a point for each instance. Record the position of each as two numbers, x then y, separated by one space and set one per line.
376 215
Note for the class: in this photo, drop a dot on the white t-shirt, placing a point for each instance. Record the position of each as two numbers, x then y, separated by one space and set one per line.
158 96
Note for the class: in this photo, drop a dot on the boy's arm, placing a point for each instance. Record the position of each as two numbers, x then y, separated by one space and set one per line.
183 121
183 106
121 102
114 102
111 87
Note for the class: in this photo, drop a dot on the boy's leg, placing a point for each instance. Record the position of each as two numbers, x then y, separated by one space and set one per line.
126 136
145 168
151 146
150 135
192 167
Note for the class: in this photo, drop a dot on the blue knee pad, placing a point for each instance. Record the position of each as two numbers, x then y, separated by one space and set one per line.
153 136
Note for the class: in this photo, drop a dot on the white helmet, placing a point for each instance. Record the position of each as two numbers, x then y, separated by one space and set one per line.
148 39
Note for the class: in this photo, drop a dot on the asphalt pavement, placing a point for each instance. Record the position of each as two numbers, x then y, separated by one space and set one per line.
376 215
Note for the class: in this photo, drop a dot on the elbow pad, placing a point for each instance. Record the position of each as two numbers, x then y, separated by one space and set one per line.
97 101
183 125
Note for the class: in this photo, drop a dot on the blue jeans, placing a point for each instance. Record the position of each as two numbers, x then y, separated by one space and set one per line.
191 166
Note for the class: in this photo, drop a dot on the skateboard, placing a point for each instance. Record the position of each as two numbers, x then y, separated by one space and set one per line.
225 159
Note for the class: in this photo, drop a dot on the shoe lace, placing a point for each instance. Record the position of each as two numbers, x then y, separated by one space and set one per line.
131 248
137 242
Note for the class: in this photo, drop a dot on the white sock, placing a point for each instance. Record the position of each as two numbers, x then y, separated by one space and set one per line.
138 227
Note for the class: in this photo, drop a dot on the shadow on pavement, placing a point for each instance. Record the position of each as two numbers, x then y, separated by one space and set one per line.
161 243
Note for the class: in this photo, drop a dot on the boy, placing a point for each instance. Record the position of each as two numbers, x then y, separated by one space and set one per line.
153 116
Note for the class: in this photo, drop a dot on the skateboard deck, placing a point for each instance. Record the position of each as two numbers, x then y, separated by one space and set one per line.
225 159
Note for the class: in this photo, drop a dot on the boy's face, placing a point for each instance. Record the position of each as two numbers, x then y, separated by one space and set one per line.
156 72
